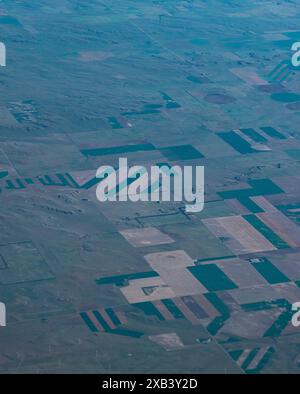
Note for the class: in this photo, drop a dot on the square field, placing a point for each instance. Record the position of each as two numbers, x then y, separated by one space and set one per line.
146 237
23 263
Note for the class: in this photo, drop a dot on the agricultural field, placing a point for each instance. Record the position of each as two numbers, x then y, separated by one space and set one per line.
146 287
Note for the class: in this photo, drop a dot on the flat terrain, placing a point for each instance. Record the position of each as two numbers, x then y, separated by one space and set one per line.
143 287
